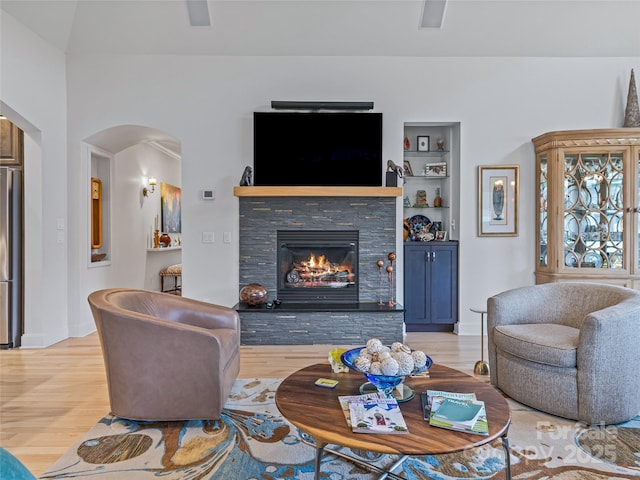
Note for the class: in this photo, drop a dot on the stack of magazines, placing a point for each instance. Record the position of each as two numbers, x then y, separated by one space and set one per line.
455 411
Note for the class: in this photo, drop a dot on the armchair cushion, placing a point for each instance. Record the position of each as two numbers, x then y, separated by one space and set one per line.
543 343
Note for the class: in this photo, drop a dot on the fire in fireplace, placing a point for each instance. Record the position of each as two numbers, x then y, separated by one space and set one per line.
317 266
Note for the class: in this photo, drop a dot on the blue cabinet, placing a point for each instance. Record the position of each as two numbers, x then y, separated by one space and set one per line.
430 286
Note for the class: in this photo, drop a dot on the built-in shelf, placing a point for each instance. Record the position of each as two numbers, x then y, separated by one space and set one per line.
430 153
163 249
317 191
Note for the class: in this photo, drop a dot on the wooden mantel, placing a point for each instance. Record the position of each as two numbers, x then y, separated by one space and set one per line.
317 191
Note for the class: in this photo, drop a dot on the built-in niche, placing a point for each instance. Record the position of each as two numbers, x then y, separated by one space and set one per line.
99 207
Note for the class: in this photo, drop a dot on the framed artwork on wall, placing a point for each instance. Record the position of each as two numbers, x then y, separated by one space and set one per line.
171 208
498 188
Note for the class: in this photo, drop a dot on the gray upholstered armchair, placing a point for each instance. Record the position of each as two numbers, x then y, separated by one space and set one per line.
166 357
569 349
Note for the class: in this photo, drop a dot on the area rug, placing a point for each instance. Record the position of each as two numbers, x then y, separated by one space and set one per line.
252 441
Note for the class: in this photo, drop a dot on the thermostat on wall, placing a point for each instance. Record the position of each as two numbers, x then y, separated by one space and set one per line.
207 194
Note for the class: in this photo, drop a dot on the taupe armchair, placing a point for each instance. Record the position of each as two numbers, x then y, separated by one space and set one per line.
569 349
166 357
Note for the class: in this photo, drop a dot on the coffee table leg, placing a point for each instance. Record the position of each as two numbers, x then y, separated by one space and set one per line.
319 452
507 457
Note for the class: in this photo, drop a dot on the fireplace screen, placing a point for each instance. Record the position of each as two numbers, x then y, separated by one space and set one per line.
317 266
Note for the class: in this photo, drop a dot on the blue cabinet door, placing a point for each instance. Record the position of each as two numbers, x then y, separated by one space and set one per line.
431 285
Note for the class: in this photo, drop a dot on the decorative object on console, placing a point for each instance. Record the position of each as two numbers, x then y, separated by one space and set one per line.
423 144
440 144
165 240
245 180
632 112
441 235
253 294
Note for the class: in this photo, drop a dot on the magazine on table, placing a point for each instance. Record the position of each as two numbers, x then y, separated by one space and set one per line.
345 400
432 400
377 415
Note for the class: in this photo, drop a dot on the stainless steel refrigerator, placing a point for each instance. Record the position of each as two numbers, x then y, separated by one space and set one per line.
11 304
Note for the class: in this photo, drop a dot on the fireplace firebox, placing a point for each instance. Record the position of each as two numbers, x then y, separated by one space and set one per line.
317 266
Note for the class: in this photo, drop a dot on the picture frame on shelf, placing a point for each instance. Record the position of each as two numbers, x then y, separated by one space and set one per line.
498 189
423 143
441 235
408 171
437 169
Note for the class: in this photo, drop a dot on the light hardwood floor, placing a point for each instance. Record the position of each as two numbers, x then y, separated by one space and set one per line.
51 397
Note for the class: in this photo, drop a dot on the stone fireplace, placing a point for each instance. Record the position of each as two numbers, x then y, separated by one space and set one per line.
277 236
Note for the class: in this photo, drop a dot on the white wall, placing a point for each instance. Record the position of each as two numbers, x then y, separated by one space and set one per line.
33 94
207 103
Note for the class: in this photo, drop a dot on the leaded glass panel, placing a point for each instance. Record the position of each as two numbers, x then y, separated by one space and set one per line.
593 211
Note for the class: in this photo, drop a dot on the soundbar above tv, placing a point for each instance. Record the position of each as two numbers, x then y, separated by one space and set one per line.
295 105
317 149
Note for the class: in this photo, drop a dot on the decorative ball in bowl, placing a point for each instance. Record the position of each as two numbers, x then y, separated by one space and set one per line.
386 367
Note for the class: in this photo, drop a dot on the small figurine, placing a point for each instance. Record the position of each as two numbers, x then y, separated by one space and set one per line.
392 167
421 198
245 181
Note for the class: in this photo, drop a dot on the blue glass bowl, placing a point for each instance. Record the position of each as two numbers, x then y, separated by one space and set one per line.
384 383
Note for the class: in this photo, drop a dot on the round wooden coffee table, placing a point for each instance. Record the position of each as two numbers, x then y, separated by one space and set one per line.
316 411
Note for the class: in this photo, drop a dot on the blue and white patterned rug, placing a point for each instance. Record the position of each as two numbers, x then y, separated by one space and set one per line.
252 441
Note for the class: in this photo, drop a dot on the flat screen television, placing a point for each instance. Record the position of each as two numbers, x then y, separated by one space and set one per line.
317 149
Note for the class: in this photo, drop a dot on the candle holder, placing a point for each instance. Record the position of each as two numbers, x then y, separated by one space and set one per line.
380 264
391 256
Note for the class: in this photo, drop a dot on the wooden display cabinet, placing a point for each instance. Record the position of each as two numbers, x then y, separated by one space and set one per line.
587 215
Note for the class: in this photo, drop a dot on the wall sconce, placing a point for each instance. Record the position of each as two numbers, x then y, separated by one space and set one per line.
152 183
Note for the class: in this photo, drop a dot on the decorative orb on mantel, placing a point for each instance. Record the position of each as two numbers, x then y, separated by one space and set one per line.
253 294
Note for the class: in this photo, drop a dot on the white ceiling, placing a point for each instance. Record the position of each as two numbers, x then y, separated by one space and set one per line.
576 28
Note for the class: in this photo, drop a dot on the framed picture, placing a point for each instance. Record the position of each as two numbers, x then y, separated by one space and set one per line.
171 208
498 188
438 169
423 144
441 235
407 169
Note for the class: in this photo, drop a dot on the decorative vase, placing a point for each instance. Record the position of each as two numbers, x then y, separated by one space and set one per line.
253 294
165 239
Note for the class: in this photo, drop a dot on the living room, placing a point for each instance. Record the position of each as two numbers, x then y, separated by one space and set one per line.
62 95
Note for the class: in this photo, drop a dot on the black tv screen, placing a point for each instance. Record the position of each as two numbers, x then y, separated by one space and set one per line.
317 149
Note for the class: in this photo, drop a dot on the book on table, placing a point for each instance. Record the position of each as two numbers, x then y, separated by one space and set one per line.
373 413
455 411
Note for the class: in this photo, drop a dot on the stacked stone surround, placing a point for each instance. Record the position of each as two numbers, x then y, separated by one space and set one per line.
373 217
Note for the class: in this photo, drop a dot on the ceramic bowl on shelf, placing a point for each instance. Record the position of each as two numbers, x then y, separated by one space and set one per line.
383 383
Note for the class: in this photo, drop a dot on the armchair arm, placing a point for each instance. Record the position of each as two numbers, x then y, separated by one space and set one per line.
608 361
